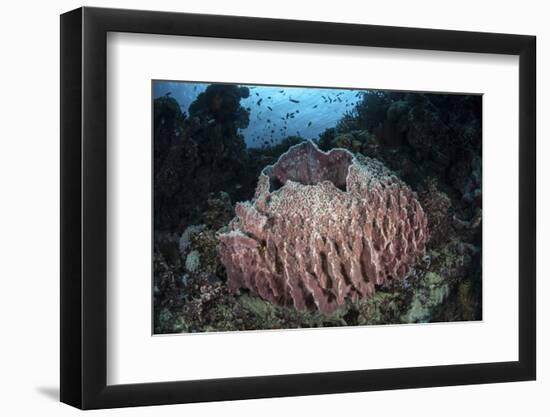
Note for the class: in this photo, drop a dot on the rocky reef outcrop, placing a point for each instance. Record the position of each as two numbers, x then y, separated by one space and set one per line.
321 229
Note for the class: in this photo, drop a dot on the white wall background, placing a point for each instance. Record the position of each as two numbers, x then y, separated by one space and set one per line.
29 237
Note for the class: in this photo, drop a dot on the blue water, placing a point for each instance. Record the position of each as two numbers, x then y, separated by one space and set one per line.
276 111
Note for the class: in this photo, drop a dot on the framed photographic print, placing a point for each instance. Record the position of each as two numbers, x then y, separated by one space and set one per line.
256 208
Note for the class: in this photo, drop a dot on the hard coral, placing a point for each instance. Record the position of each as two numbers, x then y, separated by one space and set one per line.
322 228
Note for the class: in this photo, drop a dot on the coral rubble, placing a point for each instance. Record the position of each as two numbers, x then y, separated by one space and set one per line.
323 228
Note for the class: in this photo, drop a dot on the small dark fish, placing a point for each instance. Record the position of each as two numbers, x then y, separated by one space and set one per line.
293 100
168 94
330 100
195 88
297 111
259 101
315 106
268 121
269 97
248 109
272 131
309 124
258 94
270 109
339 99
281 91
324 98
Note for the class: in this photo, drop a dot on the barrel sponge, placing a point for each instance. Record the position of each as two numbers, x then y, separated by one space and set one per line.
323 228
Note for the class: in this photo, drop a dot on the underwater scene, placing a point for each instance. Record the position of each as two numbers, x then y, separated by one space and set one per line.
283 207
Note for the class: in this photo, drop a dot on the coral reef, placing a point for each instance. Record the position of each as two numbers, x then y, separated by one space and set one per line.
430 142
418 135
436 204
185 238
199 155
438 287
323 228
219 210
430 294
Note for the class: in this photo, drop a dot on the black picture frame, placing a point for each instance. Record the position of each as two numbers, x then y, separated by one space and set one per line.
84 207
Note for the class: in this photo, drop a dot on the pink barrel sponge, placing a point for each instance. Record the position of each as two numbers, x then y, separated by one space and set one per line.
323 228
